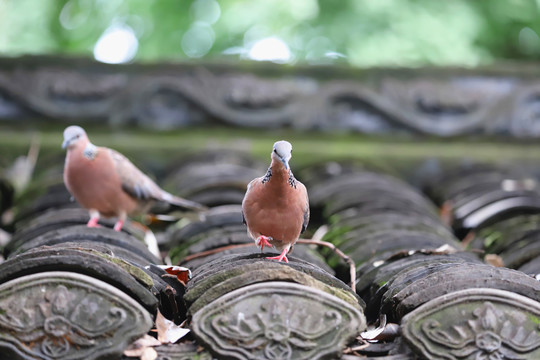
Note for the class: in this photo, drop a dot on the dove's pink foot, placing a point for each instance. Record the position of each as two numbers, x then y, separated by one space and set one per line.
262 241
93 222
118 225
280 257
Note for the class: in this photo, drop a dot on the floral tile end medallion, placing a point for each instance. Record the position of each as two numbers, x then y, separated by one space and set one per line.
278 320
472 324
63 315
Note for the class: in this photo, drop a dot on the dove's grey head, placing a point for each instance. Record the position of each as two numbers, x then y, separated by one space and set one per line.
72 135
282 151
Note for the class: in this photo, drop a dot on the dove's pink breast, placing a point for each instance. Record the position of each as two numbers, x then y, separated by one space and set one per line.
95 183
275 209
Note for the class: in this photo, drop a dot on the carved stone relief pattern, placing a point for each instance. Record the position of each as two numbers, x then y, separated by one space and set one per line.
442 105
277 320
67 316
476 324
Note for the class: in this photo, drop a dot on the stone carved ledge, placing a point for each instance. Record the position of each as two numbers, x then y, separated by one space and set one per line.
443 102
62 315
475 324
277 320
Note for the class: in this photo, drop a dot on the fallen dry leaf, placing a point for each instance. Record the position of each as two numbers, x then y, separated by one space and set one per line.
183 274
151 242
149 354
495 260
168 331
445 213
20 172
5 238
385 331
441 250
142 348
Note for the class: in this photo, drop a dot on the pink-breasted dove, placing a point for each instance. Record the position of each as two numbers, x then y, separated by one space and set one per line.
106 183
276 206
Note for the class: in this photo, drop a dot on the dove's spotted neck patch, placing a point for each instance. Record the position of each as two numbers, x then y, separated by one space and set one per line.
90 151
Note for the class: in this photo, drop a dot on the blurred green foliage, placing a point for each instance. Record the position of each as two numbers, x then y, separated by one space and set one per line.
358 32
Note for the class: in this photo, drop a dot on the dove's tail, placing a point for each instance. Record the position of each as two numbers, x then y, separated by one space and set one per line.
183 204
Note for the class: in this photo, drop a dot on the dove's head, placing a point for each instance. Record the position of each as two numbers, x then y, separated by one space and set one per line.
74 135
282 152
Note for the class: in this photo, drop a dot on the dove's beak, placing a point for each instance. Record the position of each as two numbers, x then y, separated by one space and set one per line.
285 163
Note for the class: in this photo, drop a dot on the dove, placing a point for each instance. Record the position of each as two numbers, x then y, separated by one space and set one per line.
275 207
106 183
